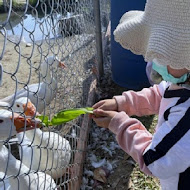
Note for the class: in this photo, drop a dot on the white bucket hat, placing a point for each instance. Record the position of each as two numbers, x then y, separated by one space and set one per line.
161 31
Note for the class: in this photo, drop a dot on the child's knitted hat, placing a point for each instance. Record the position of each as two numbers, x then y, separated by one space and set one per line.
161 31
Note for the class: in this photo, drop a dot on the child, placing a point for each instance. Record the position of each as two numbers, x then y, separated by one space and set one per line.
162 35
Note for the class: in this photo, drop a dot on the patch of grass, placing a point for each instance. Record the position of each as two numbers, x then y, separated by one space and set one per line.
18 5
33 2
139 180
1 7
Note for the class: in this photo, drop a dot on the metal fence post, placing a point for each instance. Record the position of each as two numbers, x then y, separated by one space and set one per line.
98 33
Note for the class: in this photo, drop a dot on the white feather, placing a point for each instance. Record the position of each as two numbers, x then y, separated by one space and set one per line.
99 163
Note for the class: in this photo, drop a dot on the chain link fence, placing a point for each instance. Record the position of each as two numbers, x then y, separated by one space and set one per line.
48 55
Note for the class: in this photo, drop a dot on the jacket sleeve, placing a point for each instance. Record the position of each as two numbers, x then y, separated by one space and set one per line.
132 136
144 102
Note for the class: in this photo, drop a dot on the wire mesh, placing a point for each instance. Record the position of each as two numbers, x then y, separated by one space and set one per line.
47 55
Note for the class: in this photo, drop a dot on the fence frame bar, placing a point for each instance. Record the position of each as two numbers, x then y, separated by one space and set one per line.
98 33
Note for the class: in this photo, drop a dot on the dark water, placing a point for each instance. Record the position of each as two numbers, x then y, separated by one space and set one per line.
30 27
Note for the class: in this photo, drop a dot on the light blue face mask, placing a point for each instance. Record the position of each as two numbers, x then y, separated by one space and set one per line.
163 71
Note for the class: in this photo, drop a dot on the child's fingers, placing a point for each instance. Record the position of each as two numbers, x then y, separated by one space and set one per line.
101 121
98 104
100 113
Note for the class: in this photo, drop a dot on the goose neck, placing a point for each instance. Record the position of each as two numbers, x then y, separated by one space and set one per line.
47 73
34 136
9 164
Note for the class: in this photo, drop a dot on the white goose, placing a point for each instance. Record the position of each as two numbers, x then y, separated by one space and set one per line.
48 151
20 176
40 94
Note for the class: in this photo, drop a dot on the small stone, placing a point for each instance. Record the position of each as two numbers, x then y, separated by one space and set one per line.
28 45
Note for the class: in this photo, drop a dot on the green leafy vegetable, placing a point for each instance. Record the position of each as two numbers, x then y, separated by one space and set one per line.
68 115
44 119
65 115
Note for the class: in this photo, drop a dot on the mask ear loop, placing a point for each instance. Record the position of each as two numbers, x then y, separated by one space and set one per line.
187 80
1 73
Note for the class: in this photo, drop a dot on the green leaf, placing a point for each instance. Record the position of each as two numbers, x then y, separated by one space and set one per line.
64 116
69 114
44 119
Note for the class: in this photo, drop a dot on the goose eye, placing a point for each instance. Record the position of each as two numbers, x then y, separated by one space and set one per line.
1 121
18 106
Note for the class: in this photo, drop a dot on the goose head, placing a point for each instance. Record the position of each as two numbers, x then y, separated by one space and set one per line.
12 123
24 105
55 62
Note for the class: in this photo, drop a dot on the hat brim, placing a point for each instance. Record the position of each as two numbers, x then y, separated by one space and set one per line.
132 32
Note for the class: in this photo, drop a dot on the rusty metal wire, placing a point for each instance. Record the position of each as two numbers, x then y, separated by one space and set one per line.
35 36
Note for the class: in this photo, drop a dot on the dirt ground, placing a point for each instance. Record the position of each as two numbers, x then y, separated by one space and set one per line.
19 64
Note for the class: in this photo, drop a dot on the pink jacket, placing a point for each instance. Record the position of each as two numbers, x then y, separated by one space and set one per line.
132 136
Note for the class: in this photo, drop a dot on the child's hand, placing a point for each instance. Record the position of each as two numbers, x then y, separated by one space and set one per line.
102 118
106 105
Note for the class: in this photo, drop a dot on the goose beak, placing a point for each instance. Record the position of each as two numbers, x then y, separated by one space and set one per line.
20 123
30 109
62 65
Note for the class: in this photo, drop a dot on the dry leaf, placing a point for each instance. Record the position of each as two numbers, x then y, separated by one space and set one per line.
100 175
